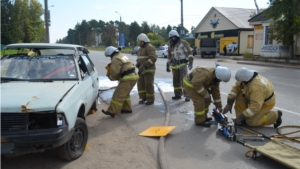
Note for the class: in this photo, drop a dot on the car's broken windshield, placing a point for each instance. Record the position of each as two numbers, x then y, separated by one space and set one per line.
39 67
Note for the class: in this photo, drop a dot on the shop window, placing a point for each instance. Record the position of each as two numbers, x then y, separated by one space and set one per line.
250 41
268 33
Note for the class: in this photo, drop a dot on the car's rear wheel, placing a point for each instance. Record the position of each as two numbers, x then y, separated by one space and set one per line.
163 55
74 148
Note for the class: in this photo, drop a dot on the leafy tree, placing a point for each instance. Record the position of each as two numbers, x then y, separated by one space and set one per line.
109 37
134 31
36 29
286 21
145 27
155 39
6 10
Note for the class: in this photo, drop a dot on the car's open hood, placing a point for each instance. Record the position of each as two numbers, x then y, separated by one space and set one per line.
31 96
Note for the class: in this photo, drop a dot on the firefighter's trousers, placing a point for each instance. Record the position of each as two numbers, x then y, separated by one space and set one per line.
200 104
121 97
265 116
145 86
178 75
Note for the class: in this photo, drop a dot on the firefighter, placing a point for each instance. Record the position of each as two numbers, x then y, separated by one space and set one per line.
254 99
199 84
179 55
123 70
146 65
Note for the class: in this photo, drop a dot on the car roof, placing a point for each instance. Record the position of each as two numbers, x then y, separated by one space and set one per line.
47 46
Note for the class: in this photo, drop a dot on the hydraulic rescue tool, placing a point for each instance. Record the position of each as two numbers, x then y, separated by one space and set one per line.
227 129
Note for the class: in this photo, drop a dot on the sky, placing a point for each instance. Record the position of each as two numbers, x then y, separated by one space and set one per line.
65 14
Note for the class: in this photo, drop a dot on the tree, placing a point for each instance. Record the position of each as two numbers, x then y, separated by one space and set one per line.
286 21
145 27
6 10
20 21
109 37
134 31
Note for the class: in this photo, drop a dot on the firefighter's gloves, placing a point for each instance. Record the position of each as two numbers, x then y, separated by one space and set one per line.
207 95
137 64
142 69
239 119
168 67
190 59
108 70
228 106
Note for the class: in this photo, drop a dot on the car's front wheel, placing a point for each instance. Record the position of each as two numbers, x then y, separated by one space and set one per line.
74 148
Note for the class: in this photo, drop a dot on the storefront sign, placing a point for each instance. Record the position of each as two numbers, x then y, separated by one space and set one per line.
272 48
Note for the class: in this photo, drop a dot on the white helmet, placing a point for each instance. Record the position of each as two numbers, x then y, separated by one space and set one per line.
244 74
143 37
223 73
173 33
110 50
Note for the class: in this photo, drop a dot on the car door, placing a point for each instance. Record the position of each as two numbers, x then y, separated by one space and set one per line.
90 84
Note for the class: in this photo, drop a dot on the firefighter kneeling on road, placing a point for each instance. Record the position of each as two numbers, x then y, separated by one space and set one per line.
199 84
123 70
254 99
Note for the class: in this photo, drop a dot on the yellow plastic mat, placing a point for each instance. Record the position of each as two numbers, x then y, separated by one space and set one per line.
155 131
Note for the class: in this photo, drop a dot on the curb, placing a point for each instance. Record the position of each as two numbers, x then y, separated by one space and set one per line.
275 65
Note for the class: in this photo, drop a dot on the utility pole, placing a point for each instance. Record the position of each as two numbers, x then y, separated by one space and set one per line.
47 21
182 28
120 30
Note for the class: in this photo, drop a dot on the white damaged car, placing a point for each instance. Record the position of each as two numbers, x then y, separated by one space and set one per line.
46 92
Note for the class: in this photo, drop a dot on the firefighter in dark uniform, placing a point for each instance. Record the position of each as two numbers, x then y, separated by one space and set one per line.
146 65
179 55
123 70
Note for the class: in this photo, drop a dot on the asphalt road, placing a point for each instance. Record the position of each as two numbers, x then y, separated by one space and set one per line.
190 146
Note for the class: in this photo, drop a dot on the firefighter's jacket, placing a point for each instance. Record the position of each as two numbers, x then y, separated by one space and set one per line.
122 69
201 79
256 92
178 54
147 56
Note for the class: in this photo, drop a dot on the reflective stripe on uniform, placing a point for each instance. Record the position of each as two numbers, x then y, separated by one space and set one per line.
218 100
117 103
201 90
149 94
130 77
199 112
178 66
265 106
232 93
150 61
142 91
238 106
249 112
127 99
187 83
178 88
265 120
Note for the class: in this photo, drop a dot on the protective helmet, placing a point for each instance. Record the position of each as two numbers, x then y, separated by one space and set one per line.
223 73
244 74
143 37
173 33
110 50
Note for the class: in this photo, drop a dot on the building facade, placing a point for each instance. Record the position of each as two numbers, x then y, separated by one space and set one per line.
264 45
230 28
